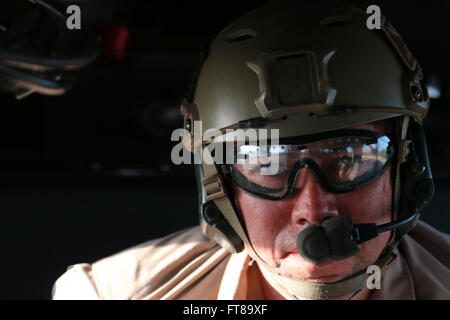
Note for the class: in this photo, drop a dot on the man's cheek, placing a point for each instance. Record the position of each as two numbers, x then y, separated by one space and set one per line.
370 251
372 202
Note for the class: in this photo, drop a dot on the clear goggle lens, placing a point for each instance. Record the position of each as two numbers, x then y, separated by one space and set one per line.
341 164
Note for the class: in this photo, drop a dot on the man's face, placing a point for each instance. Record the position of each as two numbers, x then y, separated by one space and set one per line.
273 226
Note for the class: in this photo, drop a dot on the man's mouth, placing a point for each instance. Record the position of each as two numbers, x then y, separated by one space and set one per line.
313 266
323 273
326 263
295 252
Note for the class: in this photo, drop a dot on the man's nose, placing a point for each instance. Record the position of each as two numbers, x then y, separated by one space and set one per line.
313 204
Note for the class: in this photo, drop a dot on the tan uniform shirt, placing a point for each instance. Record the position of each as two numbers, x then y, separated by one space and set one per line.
186 265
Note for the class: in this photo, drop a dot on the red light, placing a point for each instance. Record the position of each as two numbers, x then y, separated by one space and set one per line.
115 42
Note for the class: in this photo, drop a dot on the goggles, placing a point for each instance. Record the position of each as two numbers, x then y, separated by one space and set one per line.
344 162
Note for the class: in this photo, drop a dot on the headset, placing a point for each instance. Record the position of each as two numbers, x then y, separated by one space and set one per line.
338 237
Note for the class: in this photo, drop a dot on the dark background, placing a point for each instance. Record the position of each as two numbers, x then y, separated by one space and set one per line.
87 174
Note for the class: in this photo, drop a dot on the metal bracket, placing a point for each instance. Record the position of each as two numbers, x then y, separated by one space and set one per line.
404 150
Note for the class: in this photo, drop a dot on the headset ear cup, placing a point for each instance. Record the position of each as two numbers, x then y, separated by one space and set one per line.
217 228
338 231
313 245
417 186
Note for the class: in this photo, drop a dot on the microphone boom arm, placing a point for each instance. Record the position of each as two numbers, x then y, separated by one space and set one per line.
365 231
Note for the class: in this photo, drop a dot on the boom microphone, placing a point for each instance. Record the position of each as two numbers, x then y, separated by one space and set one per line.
338 238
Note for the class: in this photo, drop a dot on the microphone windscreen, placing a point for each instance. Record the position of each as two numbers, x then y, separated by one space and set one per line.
312 244
338 231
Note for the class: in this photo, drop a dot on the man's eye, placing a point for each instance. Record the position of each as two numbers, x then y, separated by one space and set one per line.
347 162
257 168
281 170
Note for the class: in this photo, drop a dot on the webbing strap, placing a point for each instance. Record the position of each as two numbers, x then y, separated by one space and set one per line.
397 185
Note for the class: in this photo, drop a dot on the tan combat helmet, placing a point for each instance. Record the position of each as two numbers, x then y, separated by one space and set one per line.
307 67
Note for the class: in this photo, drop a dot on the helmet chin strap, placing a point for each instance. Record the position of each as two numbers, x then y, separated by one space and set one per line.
288 287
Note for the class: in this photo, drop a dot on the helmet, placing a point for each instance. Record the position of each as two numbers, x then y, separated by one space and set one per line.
304 68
